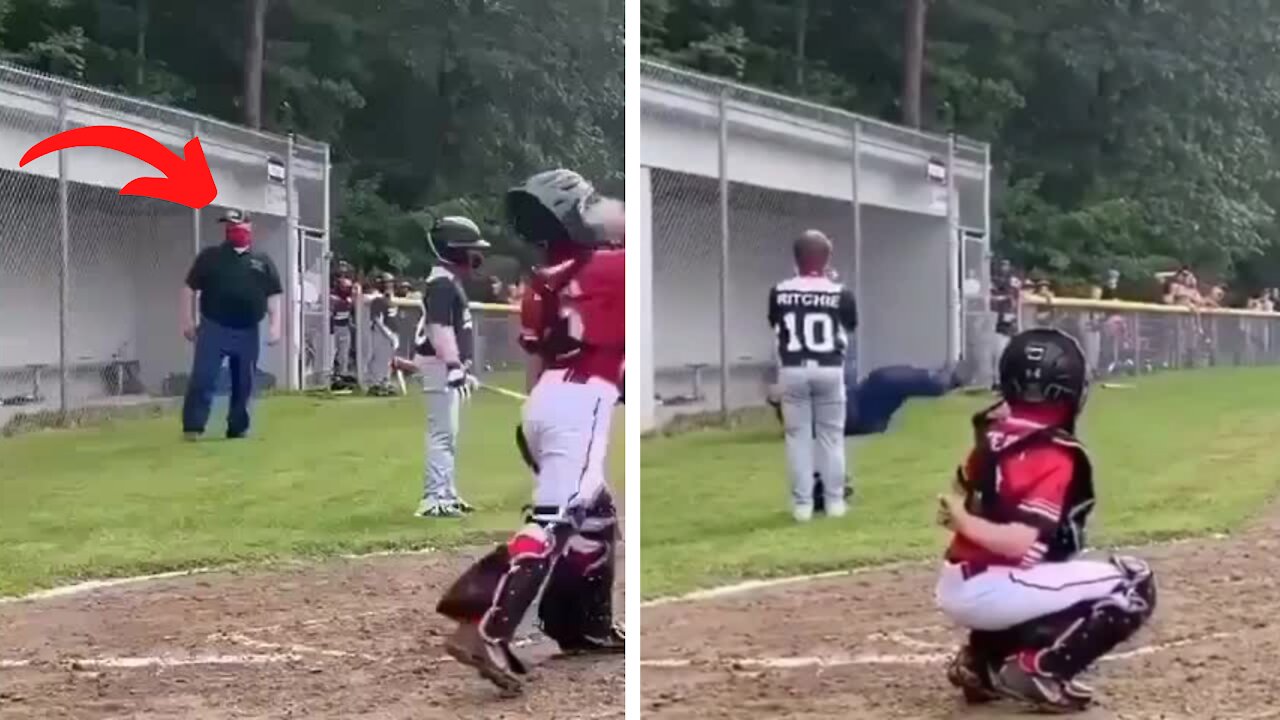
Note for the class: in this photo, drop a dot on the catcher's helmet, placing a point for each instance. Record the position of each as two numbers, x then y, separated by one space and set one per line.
1044 365
457 240
812 253
549 207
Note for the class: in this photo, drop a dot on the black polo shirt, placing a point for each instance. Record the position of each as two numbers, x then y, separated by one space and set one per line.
233 286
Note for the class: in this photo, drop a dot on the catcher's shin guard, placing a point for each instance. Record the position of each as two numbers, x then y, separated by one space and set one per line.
497 591
1093 628
577 606
470 596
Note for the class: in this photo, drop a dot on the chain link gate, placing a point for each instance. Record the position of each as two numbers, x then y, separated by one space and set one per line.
316 357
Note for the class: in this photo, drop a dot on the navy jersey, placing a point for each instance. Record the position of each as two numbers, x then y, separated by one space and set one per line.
444 302
811 319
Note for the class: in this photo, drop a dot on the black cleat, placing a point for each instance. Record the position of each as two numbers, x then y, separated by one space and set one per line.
974 681
1044 692
614 643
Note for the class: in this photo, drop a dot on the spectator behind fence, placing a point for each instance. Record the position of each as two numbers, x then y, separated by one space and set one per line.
237 288
342 296
1215 297
1110 289
1182 288
1006 294
383 338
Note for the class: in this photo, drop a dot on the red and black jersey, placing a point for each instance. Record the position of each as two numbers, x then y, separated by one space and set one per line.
574 316
1025 469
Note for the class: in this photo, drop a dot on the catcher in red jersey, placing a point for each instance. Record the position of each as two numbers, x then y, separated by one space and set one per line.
1038 614
573 329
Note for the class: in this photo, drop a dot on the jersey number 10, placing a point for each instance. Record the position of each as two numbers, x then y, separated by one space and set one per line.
816 332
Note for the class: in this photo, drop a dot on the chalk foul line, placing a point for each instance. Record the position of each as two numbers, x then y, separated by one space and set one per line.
156 661
89 586
937 658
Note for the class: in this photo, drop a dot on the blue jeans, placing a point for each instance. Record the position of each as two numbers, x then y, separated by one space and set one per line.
213 343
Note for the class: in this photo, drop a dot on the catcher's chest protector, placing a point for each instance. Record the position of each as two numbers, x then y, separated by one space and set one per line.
993 501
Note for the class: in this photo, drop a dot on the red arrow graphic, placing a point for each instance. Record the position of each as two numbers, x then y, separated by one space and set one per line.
187 180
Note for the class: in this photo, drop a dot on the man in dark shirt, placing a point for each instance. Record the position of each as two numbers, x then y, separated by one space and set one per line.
237 288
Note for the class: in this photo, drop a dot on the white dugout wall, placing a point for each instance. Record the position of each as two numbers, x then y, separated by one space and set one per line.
730 175
89 279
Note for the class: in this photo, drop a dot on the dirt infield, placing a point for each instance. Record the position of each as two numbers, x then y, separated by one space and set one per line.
872 646
342 639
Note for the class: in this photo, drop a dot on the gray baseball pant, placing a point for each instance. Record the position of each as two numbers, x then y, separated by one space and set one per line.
381 350
342 350
439 480
813 410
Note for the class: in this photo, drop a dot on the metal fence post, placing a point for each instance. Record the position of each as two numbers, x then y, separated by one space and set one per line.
724 257
293 277
856 168
955 326
64 271
195 212
326 255
1137 343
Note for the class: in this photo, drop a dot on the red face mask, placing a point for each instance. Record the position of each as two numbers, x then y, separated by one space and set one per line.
240 235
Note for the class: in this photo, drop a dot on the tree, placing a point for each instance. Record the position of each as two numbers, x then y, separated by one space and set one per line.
1139 133
254 57
913 62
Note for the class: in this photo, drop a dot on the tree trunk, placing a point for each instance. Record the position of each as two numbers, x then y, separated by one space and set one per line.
802 36
913 62
143 12
254 56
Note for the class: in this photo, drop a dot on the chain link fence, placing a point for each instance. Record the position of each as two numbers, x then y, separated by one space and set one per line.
499 359
736 173
89 278
1122 339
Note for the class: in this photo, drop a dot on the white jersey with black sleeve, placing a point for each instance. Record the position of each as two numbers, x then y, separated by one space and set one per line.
811 319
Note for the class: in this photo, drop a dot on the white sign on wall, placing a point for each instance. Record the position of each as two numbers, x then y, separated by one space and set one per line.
277 198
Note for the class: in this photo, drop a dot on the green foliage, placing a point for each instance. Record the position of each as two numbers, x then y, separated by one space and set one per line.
1129 133
429 104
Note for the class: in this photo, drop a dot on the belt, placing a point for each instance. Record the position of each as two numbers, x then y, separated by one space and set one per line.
970 570
571 375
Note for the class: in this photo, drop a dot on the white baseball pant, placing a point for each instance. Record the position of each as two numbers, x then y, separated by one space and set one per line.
566 425
1003 597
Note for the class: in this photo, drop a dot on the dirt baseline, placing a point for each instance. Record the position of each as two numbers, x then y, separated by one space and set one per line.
342 639
872 645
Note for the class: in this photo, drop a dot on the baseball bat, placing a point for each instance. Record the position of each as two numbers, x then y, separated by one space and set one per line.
505 392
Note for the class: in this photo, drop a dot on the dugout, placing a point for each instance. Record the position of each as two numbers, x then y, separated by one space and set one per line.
731 174
89 279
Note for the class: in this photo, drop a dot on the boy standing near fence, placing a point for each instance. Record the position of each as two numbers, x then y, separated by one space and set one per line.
445 353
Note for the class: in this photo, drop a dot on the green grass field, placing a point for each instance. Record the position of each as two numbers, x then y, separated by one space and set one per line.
319 476
1179 454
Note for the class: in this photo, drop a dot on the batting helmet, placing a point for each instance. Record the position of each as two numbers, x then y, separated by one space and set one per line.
457 240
